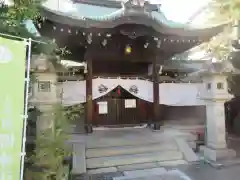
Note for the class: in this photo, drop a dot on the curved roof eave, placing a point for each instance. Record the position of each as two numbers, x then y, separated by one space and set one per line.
156 20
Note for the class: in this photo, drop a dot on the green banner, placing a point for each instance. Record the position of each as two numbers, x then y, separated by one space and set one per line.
12 75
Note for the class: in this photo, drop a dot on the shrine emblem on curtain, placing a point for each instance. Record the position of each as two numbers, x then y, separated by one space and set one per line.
133 89
102 88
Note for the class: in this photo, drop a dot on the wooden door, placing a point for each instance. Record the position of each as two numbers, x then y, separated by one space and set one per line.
119 114
113 116
105 118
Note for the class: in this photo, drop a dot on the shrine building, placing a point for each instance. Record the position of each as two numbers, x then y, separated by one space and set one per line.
125 48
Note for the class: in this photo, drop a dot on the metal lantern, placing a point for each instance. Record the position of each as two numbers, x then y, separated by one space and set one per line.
128 49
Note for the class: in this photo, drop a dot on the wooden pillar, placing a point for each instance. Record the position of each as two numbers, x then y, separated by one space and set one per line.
89 103
156 109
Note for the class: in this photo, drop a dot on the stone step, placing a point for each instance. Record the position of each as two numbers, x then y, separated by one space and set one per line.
101 162
126 150
153 174
145 172
192 145
116 142
143 166
188 153
151 165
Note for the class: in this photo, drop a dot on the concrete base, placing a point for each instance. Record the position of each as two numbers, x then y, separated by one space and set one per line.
218 154
79 158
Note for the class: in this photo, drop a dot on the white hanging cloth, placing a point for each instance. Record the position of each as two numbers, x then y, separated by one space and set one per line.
171 94
142 89
102 86
73 92
176 94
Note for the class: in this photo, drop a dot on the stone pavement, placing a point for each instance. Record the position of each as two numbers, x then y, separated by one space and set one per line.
183 172
205 172
234 143
153 174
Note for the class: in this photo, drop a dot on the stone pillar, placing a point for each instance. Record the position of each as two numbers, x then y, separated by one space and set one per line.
216 125
46 119
215 94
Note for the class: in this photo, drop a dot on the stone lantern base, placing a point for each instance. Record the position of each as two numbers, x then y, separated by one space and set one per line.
217 154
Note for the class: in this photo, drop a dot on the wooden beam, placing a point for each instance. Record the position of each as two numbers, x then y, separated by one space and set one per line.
89 102
156 110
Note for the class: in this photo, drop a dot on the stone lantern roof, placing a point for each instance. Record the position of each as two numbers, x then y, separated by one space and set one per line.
40 63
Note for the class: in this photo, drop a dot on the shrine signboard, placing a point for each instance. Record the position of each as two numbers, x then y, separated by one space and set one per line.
12 78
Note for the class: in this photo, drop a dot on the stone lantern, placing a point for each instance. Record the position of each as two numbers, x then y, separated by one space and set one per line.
44 90
215 93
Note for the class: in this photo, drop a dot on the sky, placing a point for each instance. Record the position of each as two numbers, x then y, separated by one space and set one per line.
181 10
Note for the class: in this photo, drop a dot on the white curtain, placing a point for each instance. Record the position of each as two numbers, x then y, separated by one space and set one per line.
142 89
174 94
73 92
171 94
103 86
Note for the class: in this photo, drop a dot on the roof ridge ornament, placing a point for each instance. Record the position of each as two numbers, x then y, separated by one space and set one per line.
140 4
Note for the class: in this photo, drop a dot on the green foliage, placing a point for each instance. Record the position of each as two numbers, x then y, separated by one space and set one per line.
13 19
223 12
74 113
220 46
51 149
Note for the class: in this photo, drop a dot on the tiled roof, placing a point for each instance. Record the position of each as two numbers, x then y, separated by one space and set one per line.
93 13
